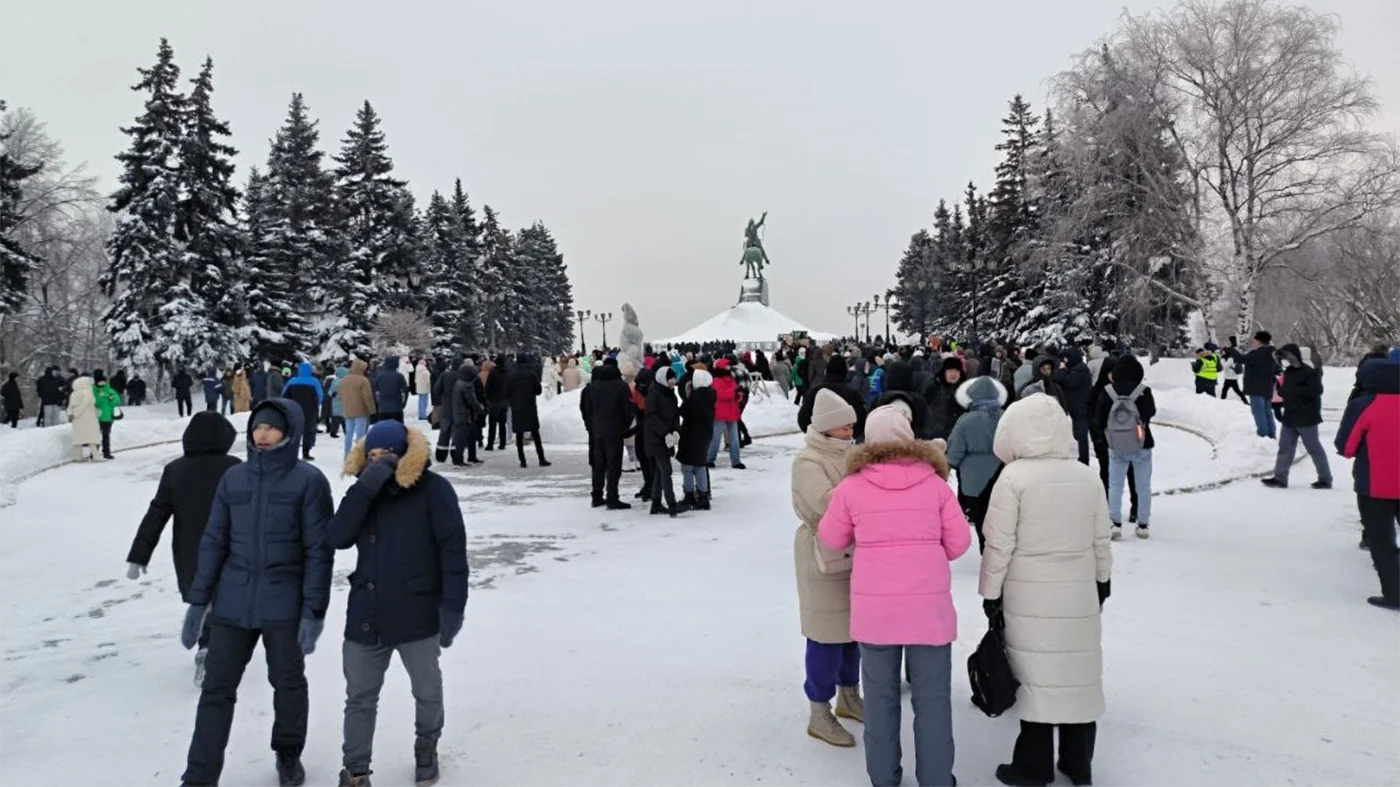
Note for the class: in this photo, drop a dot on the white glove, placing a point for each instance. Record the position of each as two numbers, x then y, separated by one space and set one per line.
134 570
672 440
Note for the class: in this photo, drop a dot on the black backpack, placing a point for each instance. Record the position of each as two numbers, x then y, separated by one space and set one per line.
989 672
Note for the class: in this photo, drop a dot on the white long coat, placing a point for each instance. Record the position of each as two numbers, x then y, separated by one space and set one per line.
82 413
1047 531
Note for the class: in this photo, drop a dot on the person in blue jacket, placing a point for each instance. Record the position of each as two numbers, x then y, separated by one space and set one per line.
212 386
306 391
390 392
408 592
265 567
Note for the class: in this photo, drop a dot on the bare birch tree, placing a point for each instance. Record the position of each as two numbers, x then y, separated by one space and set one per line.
1273 124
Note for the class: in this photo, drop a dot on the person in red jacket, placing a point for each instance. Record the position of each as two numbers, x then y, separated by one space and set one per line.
726 414
1370 433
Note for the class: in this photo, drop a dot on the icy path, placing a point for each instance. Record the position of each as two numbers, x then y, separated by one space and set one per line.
624 649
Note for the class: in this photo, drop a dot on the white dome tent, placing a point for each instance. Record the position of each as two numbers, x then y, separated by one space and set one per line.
750 325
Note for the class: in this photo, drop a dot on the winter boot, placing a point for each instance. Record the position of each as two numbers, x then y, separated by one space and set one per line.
674 510
1078 780
1008 775
599 502
688 500
524 464
545 462
440 455
618 505
704 501
306 455
289 770
643 494
849 704
425 762
1274 483
825 727
1383 602
1116 532
739 466
1319 484
657 508
199 657
1142 530
348 779
1132 515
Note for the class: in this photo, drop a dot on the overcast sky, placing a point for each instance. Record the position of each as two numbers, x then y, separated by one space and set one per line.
643 133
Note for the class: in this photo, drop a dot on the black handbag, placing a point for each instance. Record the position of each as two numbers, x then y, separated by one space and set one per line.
989 672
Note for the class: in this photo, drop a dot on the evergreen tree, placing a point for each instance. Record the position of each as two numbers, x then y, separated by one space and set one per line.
916 288
546 305
1011 220
203 315
497 277
383 244
276 328
304 245
15 261
144 257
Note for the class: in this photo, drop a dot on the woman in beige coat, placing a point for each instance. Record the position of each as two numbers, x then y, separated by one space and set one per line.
242 393
823 576
82 413
1046 573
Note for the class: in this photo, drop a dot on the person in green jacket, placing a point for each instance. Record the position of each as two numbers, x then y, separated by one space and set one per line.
107 402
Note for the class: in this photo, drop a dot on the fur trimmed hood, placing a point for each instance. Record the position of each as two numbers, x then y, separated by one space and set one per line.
411 465
908 451
980 389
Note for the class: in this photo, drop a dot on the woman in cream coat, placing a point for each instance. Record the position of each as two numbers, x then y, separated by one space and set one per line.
82 413
1046 571
824 596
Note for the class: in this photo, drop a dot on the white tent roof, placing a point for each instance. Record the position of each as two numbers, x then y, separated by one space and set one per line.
744 324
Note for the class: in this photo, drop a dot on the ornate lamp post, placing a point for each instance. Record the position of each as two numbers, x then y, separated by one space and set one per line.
855 311
885 307
604 318
866 308
582 314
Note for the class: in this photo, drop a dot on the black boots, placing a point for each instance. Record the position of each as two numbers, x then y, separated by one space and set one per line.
702 501
289 770
440 455
618 505
425 762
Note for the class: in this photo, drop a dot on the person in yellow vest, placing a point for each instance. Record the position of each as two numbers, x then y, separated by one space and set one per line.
1207 369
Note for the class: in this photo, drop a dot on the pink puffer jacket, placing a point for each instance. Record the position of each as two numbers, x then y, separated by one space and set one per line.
907 527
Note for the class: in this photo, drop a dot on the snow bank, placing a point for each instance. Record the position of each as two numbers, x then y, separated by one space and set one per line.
561 421
25 452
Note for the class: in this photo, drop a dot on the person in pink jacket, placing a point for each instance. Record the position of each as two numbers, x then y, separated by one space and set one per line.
896 507
726 414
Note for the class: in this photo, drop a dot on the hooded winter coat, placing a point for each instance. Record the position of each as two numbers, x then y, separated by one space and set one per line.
82 413
1076 383
899 387
726 393
466 405
697 421
1301 390
606 405
305 390
212 385
337 397
186 491
942 398
242 394
907 527
10 394
182 383
824 600
522 390
1260 368
265 558
662 418
1044 384
1047 532
356 394
970 445
49 389
1127 374
835 381
411 568
1370 431
443 385
106 401
390 387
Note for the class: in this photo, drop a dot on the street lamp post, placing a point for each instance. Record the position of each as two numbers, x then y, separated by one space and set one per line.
889 298
855 311
582 315
604 318
866 309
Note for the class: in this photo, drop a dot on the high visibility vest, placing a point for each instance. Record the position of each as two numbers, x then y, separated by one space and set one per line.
1210 367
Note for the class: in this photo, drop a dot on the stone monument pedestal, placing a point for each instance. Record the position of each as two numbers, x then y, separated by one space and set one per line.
754 291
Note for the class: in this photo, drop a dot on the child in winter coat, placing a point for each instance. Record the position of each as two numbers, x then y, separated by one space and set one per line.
970 445
897 508
824 577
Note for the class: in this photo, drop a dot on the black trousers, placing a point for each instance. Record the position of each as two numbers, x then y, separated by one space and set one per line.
1080 426
1034 757
12 416
337 423
605 457
520 445
394 416
463 441
648 469
230 650
1233 385
183 403
308 438
1378 518
1204 386
497 419
661 485
972 508
106 429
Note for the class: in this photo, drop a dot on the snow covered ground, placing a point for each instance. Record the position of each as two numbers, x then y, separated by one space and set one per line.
617 648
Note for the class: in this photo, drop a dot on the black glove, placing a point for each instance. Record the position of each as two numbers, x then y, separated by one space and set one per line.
1104 592
992 607
378 473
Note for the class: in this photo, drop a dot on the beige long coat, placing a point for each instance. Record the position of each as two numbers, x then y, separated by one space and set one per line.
824 599
1048 546
82 413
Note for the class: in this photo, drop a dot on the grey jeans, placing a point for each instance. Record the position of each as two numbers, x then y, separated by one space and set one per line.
930 679
1288 446
365 666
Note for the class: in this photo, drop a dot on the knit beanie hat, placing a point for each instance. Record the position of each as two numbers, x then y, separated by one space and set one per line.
887 425
270 415
830 411
387 436
701 379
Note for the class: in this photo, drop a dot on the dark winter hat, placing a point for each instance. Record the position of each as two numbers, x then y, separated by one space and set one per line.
837 367
387 436
272 416
98 376
1212 346
1263 337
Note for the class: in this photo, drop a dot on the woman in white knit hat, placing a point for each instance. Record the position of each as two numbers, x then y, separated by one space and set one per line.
824 576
